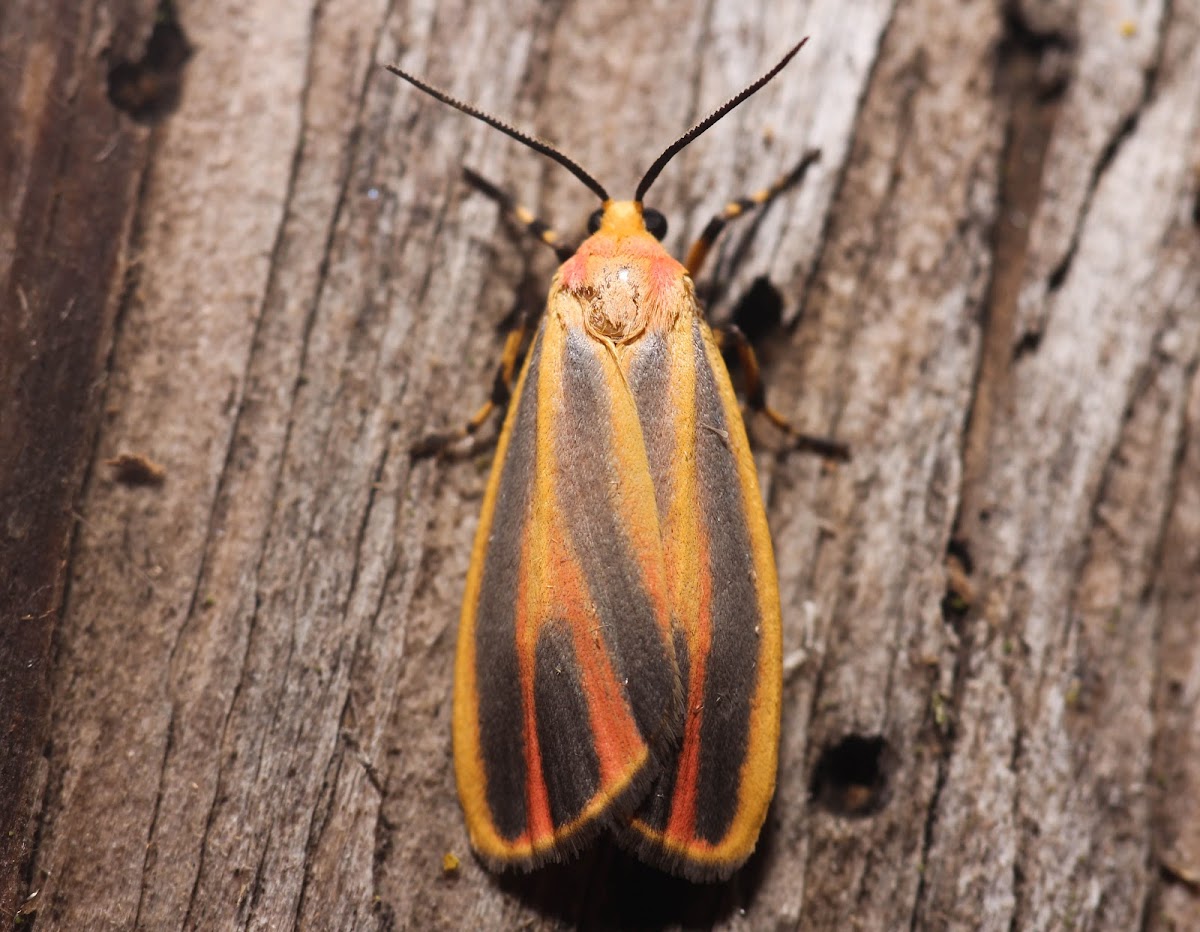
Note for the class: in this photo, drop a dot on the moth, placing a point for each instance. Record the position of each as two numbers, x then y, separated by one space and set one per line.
619 650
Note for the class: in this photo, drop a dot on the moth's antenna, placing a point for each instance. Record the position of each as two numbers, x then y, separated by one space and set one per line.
532 141
674 148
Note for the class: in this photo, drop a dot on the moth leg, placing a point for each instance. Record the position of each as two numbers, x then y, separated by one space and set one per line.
734 209
756 398
523 217
502 386
506 372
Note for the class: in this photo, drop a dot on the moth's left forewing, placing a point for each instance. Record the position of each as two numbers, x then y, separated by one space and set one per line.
567 696
704 815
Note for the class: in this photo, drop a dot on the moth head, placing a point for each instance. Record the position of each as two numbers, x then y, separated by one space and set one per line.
624 217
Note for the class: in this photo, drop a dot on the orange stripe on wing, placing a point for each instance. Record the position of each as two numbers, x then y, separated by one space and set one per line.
540 825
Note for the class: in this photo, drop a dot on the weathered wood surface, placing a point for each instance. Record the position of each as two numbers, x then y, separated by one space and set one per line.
224 699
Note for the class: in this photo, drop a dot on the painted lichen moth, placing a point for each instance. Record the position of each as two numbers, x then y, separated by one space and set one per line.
619 649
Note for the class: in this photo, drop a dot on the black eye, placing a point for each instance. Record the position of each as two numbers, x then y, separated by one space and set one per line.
594 220
656 223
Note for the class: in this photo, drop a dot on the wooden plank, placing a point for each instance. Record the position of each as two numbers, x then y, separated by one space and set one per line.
238 715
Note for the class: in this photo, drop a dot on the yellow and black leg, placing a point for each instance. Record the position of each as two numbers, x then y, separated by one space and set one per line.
733 338
502 385
506 373
756 399
521 215
734 209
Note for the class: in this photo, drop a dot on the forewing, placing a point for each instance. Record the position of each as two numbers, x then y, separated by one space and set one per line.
703 816
567 695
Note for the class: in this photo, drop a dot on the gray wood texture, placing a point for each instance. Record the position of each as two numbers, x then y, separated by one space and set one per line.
225 695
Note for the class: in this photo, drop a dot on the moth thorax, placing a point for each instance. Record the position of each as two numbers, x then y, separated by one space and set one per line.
615 305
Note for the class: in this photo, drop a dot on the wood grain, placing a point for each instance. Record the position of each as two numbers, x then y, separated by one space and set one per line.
225 697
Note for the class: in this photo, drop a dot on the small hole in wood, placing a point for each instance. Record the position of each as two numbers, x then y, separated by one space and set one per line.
759 311
960 550
960 593
1027 344
851 777
149 89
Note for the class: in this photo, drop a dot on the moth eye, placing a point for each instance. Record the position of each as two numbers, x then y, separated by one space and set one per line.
656 223
594 220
